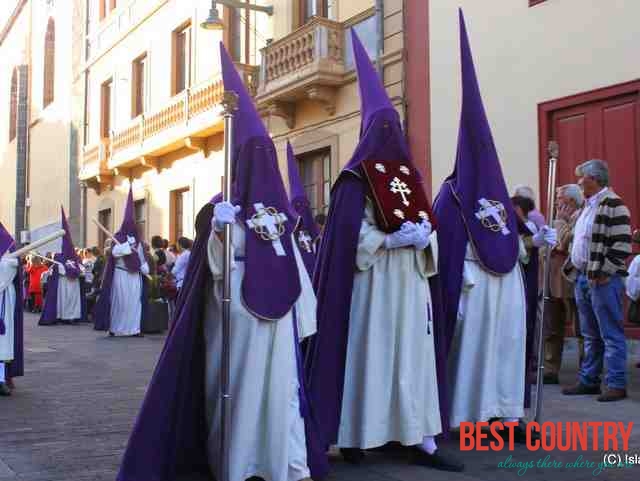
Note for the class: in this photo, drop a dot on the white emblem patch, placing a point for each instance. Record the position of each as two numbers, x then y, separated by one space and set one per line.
398 213
396 186
405 170
381 168
268 224
493 216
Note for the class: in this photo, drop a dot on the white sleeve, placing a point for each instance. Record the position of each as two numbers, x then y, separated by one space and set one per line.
62 270
427 259
633 280
214 254
306 304
121 250
370 240
8 271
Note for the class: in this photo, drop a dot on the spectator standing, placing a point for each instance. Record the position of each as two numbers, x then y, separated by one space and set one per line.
601 244
34 271
633 281
534 214
562 308
182 261
169 254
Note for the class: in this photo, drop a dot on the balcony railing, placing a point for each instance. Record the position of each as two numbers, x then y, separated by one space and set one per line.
186 115
308 63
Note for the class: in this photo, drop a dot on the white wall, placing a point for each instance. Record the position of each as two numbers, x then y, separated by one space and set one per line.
525 56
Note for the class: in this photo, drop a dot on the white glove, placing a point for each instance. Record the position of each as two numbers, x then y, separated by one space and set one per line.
421 235
546 236
131 240
401 238
224 213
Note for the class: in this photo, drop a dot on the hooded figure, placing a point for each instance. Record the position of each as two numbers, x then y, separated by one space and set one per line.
65 300
482 282
373 367
11 346
307 232
273 307
122 300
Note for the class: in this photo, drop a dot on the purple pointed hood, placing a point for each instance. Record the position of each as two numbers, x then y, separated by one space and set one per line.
68 255
380 129
6 241
307 233
477 185
128 228
271 283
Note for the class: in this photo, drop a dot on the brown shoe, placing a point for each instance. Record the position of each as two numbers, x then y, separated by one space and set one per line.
580 389
611 394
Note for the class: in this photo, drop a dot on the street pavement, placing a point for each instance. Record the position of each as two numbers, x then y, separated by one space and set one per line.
70 417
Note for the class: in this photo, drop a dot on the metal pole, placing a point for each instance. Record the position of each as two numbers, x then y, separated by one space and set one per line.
553 150
230 105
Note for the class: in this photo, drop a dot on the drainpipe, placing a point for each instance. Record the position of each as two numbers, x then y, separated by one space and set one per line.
85 116
380 36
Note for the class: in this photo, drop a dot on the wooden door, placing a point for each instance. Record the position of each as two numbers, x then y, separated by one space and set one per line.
603 124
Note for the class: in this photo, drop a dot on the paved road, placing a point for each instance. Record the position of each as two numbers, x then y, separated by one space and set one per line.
71 415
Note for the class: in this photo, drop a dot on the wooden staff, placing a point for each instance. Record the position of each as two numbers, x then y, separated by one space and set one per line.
35 254
553 150
105 230
39 243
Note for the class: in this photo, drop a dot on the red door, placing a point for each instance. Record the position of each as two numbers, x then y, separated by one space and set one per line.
603 124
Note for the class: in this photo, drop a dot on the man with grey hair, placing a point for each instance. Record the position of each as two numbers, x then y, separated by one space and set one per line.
534 216
562 308
601 243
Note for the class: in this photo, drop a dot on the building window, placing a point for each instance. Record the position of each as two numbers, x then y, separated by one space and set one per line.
138 91
181 218
535 2
140 210
106 7
104 217
13 105
105 108
315 171
313 8
49 63
181 59
366 31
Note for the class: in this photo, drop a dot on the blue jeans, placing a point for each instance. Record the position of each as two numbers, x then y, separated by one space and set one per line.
601 321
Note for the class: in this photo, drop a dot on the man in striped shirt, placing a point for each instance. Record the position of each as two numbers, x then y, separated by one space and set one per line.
601 243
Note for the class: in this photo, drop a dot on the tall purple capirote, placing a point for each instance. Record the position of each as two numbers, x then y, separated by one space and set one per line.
68 252
128 228
271 283
307 232
381 138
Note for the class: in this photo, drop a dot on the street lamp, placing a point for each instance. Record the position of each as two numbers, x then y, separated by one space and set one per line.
214 22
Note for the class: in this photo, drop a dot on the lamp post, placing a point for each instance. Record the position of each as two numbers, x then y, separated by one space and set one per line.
214 22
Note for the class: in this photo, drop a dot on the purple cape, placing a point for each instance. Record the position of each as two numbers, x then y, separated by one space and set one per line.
102 309
16 367
307 226
382 137
477 174
169 438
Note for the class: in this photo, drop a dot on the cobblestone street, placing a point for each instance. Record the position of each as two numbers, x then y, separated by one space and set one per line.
71 414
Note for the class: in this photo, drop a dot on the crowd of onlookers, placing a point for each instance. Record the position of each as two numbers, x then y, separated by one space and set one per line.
592 287
167 268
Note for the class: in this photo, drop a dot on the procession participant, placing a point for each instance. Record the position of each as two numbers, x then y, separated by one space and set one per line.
122 297
11 325
65 301
34 270
485 304
373 370
307 232
273 307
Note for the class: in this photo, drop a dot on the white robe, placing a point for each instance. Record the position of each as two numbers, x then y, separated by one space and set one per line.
390 387
8 270
267 430
487 356
69 305
126 293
